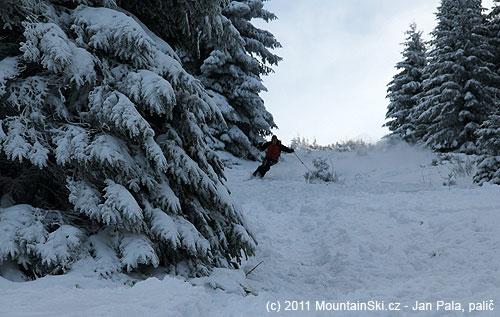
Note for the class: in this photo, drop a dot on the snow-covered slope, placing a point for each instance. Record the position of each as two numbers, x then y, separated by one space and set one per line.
389 231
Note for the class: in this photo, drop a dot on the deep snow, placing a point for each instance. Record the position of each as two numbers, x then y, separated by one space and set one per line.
390 231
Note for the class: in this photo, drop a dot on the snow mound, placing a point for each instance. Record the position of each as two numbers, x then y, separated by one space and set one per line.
390 232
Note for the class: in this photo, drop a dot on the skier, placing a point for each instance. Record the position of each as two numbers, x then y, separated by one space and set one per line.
274 149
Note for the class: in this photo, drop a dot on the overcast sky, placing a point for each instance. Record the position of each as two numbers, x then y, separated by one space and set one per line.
339 56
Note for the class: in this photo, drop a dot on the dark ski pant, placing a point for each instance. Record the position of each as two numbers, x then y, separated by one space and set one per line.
264 168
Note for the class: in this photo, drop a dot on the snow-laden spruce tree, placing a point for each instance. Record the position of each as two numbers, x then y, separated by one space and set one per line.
460 86
488 142
233 72
102 137
493 24
217 42
488 164
405 87
11 16
188 26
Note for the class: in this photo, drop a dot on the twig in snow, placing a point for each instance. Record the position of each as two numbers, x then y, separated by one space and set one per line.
247 273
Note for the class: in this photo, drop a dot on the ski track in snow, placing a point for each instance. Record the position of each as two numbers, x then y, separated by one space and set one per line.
390 232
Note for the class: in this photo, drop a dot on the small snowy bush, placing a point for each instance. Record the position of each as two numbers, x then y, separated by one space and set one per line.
323 172
463 168
459 166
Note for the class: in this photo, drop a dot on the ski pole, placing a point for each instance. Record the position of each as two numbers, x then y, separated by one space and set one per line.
302 162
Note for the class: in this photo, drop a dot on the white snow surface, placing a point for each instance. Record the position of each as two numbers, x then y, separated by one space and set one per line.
390 231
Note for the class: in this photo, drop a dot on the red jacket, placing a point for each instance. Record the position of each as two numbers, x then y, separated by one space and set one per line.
274 150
